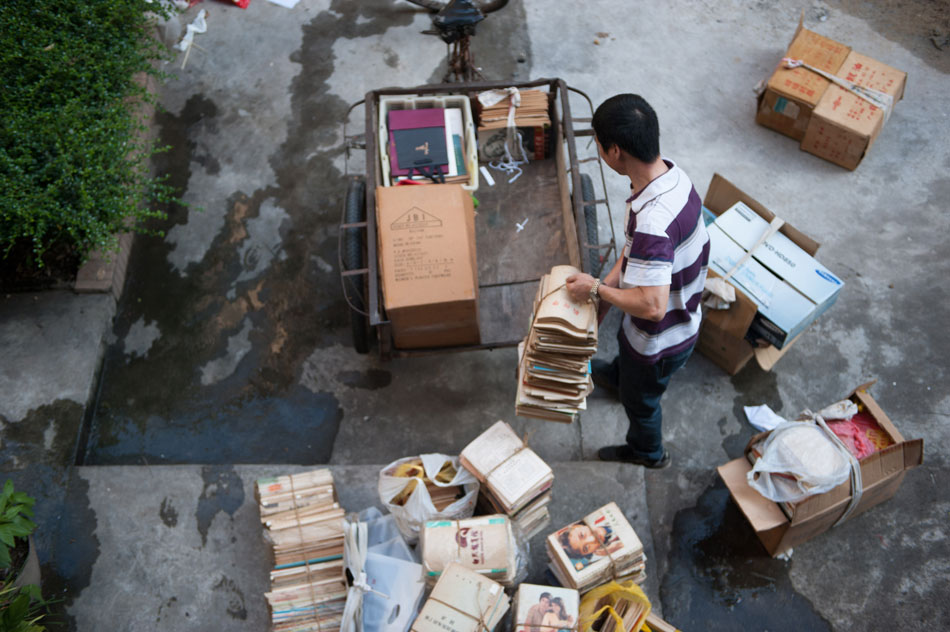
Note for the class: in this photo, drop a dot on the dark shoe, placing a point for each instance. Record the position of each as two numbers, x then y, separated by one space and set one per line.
624 454
603 375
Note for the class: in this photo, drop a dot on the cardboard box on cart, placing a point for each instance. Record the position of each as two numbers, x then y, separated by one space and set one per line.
428 264
722 335
882 474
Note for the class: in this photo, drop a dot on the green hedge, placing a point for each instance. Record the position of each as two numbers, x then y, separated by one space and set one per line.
73 170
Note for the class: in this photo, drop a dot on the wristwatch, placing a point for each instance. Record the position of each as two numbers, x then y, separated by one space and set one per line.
594 296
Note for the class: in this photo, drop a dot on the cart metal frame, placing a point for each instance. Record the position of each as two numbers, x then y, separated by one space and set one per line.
514 293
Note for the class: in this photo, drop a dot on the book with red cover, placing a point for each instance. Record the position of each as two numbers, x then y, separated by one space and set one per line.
417 120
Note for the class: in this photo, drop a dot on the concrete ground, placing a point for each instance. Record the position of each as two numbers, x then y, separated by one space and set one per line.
228 356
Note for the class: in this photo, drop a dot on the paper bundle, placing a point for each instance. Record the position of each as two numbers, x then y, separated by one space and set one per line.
514 479
304 524
601 547
532 111
462 601
545 609
387 585
484 544
554 374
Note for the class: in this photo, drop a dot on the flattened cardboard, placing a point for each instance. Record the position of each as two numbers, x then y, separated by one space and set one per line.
882 474
844 126
428 264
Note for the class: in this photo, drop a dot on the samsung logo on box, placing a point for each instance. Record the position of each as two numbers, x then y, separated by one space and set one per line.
827 276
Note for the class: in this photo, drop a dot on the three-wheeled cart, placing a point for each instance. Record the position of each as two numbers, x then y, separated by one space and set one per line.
552 194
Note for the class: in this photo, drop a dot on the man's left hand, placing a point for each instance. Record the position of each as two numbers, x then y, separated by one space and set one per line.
578 287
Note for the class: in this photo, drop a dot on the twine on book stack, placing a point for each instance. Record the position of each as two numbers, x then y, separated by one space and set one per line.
306 561
534 315
482 624
523 446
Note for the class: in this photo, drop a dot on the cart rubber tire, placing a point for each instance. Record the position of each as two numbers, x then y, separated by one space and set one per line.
353 259
590 219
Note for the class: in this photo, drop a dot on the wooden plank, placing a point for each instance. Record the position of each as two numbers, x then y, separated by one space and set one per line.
506 255
504 312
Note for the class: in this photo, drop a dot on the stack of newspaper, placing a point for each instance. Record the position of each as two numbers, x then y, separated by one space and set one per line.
462 601
601 547
514 480
484 544
304 524
554 375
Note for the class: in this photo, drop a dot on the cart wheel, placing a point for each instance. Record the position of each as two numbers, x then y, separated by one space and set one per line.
590 218
353 259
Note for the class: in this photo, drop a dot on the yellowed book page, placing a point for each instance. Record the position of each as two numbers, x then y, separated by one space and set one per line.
491 448
518 475
556 303
467 592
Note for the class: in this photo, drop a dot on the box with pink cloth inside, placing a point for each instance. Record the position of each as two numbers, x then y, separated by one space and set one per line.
803 477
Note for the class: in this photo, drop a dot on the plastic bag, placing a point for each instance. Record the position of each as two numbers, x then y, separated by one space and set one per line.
386 584
417 507
798 460
607 598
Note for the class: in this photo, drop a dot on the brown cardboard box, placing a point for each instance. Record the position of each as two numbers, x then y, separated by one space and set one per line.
843 125
428 265
830 121
881 473
791 94
722 334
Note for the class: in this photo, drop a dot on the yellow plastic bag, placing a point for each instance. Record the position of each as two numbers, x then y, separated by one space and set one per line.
606 598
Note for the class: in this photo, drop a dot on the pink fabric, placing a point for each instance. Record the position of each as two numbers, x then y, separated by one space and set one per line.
860 434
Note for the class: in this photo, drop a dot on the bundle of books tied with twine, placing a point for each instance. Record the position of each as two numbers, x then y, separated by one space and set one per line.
601 547
545 609
554 375
484 544
514 479
304 524
462 601
510 116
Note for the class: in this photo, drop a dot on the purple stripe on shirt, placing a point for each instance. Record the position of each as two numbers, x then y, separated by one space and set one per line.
672 317
665 353
685 221
650 248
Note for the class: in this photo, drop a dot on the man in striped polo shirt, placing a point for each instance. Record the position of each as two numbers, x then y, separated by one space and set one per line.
657 281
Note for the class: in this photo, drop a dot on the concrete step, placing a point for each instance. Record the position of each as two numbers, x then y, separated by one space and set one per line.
181 547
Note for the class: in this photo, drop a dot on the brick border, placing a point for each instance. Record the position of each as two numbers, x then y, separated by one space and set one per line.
105 271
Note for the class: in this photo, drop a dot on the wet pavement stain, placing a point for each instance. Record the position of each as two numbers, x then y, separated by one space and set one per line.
168 513
73 553
371 379
721 578
46 435
236 608
223 492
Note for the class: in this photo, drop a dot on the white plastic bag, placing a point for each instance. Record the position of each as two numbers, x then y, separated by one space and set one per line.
798 460
386 582
418 508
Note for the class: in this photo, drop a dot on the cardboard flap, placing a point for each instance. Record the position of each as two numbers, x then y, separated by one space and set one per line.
913 453
762 513
768 356
722 194
736 320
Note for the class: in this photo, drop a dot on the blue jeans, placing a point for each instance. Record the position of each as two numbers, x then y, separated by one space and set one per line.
641 386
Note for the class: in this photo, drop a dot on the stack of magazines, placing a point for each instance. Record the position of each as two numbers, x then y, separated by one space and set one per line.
554 374
545 609
514 480
601 547
304 524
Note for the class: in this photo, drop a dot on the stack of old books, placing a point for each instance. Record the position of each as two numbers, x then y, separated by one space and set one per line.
532 122
484 544
462 601
514 480
601 547
545 609
554 375
304 524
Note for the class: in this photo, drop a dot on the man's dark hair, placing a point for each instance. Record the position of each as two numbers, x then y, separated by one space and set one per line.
628 121
543 595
